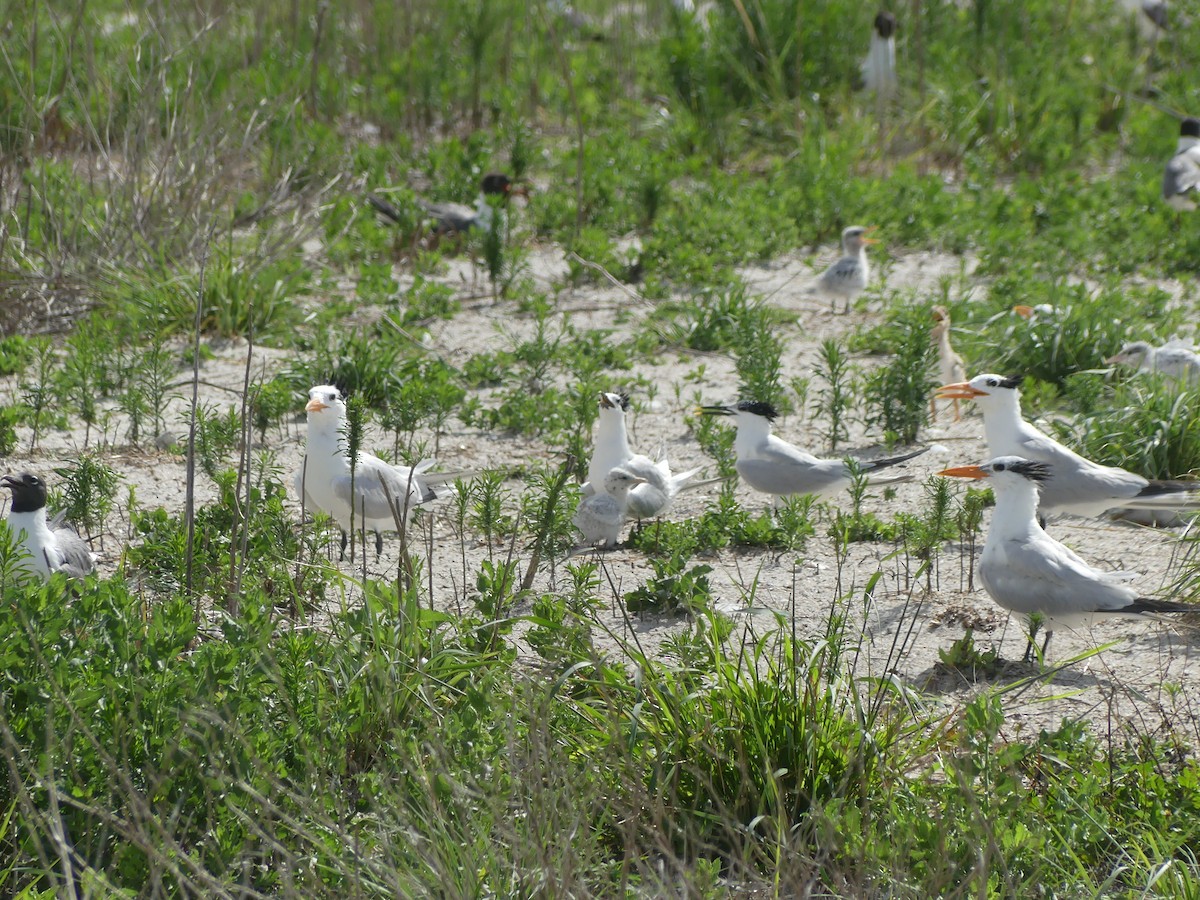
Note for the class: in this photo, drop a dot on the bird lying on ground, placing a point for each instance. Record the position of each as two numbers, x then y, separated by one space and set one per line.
45 548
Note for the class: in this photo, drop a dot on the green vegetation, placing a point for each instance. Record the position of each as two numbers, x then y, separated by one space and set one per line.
233 714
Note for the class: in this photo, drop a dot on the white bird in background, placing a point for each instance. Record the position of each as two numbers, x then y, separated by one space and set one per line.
1182 174
383 494
879 68
1174 360
46 549
772 465
950 365
850 275
1028 572
455 218
1075 485
1149 15
654 496
601 516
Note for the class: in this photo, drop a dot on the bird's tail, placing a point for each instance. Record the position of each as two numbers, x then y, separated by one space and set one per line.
876 481
685 481
1152 606
870 465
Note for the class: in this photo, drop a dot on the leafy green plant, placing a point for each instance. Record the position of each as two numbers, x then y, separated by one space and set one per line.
672 588
835 398
88 492
897 394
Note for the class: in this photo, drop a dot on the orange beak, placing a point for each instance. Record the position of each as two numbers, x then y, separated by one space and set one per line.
965 472
1025 312
1113 360
315 405
867 240
960 391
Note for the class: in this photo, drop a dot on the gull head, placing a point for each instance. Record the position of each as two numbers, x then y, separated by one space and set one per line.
1189 128
614 401
1005 469
1135 354
28 491
325 397
497 184
855 238
885 24
982 387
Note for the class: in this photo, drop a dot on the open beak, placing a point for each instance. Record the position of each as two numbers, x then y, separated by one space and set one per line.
965 472
8 481
1025 312
1113 360
959 391
315 405
605 402
869 240
715 411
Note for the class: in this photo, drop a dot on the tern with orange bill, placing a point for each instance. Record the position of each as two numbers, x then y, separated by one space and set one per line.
1075 485
1029 573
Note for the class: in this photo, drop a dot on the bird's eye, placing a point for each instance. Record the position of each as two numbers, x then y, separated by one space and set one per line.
992 382
999 467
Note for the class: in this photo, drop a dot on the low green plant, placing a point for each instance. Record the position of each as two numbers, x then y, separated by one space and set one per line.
673 588
897 394
88 492
835 399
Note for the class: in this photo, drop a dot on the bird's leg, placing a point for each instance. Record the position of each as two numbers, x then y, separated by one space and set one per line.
957 413
1028 655
932 410
378 544
1046 643
345 538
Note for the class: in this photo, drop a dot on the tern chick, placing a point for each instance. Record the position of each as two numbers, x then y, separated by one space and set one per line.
1172 360
600 517
950 365
45 549
850 275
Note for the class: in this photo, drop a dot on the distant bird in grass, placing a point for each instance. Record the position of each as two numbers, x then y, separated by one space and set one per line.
850 275
1150 16
382 493
1182 173
950 365
1028 572
601 516
651 498
879 68
773 466
455 218
1075 485
46 548
1174 360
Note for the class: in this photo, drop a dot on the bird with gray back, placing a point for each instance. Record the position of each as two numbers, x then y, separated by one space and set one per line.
850 275
1182 173
601 516
45 548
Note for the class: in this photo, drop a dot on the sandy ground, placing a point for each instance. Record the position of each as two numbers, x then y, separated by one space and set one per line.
1141 682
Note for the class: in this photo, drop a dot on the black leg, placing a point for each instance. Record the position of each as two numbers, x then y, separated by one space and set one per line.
378 544
1028 657
1046 643
342 554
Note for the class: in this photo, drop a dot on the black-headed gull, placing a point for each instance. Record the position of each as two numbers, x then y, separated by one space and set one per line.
46 549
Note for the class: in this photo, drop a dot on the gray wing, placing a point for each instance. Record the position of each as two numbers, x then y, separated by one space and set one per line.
1042 575
1077 484
1182 174
1179 362
842 276
599 518
374 482
781 468
450 216
648 501
306 499
77 557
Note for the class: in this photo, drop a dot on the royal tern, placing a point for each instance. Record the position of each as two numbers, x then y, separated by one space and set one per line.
455 218
601 516
773 466
651 498
45 549
850 275
382 493
1182 174
950 365
879 68
1075 485
1028 572
1174 360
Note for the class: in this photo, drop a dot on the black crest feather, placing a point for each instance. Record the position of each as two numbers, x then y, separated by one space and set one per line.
1012 381
759 408
1037 472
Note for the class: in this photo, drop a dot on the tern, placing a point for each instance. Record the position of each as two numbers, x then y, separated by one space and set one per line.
1182 174
879 68
601 516
773 466
1174 360
950 365
1029 573
658 489
1075 485
455 218
850 275
45 548
383 493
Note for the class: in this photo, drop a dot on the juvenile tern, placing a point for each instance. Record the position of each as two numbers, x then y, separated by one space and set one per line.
773 466
1182 174
950 365
601 516
46 549
651 498
879 68
850 275
455 218
1175 360
1028 572
1075 485
381 492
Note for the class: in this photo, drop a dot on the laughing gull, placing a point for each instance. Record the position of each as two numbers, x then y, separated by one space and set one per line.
45 548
